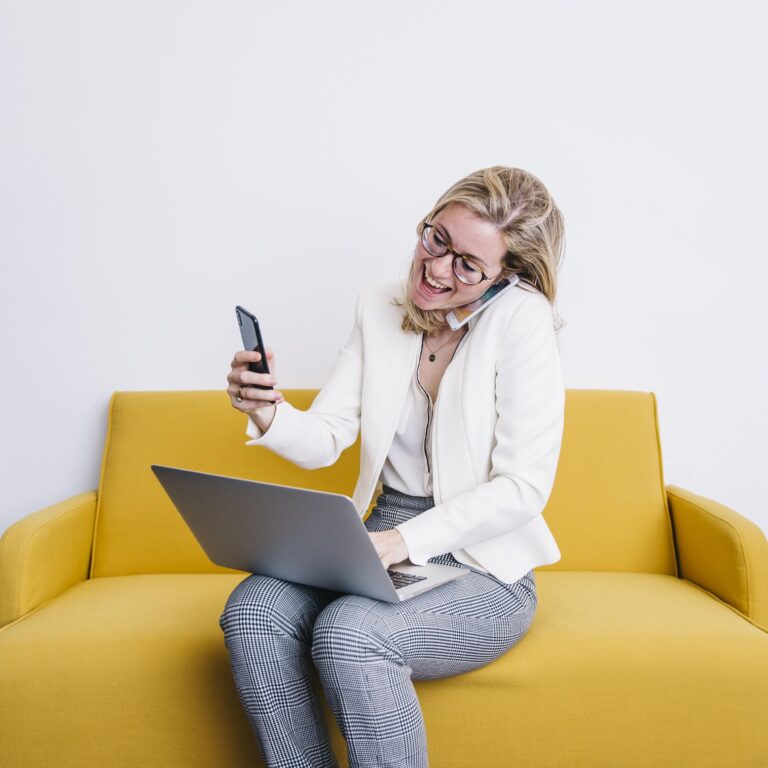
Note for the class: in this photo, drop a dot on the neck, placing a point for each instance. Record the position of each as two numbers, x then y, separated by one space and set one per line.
445 333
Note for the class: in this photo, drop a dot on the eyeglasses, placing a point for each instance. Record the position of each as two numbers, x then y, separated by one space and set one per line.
465 269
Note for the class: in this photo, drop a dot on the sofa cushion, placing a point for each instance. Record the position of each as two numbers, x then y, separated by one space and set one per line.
138 529
608 509
628 669
123 671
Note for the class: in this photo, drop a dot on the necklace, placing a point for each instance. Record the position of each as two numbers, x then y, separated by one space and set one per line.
432 356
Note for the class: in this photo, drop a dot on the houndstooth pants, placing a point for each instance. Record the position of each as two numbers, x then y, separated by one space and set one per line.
366 652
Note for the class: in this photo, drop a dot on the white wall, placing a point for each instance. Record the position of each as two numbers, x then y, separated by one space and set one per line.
161 162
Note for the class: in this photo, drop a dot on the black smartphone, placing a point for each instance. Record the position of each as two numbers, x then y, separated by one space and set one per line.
251 335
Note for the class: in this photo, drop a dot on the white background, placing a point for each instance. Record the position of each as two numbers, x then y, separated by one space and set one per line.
163 161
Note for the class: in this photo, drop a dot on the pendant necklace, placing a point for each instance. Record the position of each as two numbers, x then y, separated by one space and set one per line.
432 356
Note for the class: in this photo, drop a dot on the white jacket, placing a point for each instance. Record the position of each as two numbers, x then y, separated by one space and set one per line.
496 435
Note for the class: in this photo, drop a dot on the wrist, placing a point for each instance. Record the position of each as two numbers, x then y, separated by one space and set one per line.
401 540
263 417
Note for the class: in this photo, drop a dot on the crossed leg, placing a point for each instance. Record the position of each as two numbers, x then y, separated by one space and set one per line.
366 652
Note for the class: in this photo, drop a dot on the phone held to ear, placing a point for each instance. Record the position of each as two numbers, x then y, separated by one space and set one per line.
251 336
460 316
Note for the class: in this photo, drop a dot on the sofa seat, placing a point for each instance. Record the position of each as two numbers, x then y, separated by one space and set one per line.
124 671
133 670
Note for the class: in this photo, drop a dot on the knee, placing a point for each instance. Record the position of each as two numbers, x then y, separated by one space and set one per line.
257 604
351 629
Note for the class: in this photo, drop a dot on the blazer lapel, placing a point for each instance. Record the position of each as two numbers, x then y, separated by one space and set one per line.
390 364
396 377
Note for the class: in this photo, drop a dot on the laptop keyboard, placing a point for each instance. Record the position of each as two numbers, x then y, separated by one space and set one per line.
400 579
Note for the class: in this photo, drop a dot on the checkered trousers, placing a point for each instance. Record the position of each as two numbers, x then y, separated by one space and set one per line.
366 653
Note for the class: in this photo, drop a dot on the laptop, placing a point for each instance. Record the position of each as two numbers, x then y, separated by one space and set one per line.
304 536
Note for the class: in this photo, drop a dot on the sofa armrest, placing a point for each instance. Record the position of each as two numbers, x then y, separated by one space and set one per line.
45 553
721 551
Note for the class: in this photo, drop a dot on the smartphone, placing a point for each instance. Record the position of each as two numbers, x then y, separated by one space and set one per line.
251 335
462 315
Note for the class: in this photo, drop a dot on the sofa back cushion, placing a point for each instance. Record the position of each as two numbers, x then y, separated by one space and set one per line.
607 510
138 529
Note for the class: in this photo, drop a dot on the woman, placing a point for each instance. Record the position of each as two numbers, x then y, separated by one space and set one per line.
464 479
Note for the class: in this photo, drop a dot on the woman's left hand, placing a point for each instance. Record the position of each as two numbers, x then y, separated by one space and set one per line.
390 546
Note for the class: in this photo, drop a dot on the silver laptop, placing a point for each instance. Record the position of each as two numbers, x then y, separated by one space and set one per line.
308 537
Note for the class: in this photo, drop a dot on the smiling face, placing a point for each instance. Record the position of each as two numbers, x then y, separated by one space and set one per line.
468 235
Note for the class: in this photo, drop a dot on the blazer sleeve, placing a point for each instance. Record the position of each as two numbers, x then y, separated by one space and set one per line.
530 406
316 437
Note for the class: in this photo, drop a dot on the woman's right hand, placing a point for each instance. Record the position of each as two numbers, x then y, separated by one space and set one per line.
241 381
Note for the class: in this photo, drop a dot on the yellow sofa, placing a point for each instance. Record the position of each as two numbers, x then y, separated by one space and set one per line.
649 646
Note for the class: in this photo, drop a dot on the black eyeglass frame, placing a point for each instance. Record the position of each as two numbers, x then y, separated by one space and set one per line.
455 254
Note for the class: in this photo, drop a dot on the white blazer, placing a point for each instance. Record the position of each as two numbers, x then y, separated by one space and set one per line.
496 435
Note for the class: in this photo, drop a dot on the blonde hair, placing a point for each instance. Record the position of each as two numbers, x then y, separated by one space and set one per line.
520 207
